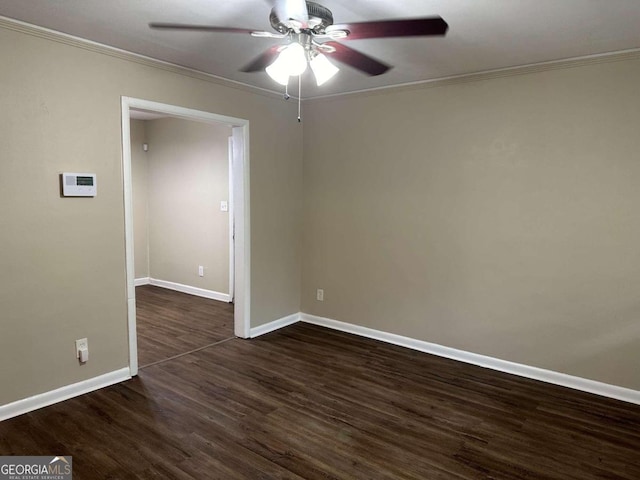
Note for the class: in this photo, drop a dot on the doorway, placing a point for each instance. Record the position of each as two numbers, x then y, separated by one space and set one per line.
238 210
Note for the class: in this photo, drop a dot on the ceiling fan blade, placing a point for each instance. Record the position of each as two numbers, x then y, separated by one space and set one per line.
292 10
202 28
262 61
356 59
414 27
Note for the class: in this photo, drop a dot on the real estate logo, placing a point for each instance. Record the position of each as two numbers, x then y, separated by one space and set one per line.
36 468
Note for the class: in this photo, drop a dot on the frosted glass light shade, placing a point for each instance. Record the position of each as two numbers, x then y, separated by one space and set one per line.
322 68
277 71
291 61
295 59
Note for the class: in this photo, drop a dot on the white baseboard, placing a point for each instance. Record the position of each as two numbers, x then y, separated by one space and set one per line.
142 281
275 325
29 404
535 373
199 292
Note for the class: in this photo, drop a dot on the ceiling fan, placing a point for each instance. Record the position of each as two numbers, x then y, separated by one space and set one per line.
313 39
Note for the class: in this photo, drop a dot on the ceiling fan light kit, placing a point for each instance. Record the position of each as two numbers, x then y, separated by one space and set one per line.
291 62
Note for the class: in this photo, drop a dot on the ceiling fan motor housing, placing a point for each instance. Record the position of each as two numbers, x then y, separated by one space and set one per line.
319 18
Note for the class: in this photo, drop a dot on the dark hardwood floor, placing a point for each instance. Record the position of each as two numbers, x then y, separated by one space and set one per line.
310 403
171 323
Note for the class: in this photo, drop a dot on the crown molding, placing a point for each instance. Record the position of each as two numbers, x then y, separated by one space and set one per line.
78 42
608 57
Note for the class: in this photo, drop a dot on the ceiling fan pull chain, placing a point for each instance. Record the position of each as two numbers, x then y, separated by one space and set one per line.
299 97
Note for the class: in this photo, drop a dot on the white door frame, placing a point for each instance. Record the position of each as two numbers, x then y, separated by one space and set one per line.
232 279
239 211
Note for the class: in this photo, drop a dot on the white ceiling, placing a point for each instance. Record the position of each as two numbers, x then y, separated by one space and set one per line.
483 34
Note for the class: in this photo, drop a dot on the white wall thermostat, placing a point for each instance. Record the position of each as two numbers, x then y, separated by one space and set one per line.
79 185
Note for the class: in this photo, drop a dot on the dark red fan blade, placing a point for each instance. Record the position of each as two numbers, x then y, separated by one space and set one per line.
201 28
356 59
263 60
415 27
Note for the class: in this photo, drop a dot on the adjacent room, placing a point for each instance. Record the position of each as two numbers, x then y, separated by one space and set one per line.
181 226
311 240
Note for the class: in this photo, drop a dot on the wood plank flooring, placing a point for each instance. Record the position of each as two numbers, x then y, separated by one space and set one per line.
309 403
170 323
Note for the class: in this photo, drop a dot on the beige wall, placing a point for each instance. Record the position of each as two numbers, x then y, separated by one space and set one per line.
498 217
188 178
140 185
62 260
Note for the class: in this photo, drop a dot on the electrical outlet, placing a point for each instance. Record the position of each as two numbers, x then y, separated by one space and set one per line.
82 349
320 295
201 270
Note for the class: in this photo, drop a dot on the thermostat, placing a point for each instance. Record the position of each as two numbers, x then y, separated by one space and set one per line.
79 185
